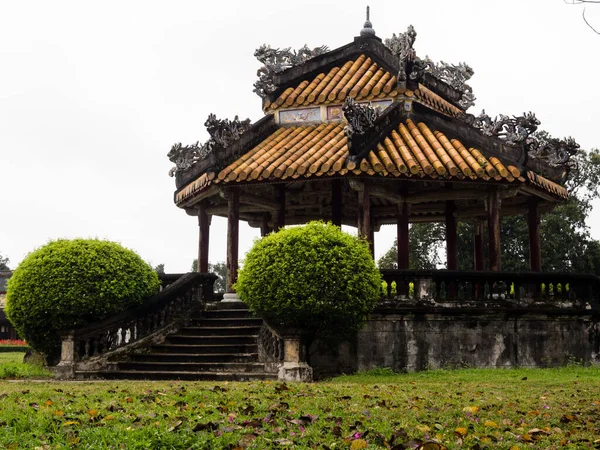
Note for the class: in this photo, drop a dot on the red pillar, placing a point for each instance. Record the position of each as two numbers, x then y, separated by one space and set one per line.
451 232
364 212
533 222
203 237
233 220
336 202
494 229
279 222
479 246
402 236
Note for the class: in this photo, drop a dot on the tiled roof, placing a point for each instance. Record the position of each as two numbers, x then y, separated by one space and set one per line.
433 100
547 185
361 79
410 150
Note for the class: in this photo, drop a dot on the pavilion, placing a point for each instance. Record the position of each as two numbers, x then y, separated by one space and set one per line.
365 135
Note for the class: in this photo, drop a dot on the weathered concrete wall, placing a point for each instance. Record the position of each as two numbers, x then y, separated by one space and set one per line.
430 338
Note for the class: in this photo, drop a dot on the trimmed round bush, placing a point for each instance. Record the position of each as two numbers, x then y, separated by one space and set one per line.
314 277
70 283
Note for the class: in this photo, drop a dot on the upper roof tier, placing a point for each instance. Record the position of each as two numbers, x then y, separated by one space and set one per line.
370 109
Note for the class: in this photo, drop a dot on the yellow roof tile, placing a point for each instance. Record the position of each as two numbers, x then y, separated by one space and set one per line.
361 79
434 101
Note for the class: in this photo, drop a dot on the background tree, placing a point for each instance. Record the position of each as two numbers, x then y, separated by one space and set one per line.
4 263
425 242
219 269
160 269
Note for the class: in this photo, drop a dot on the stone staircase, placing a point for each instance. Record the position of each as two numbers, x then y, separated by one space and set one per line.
220 345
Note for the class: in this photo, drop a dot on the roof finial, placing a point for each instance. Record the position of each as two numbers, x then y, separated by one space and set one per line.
367 30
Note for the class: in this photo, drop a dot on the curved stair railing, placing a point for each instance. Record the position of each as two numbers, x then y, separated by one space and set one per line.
94 346
270 348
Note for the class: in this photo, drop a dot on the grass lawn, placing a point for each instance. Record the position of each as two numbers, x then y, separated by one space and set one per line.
12 367
474 409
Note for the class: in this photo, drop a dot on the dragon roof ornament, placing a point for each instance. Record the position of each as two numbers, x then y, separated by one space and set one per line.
402 47
521 130
275 61
514 130
455 75
223 133
556 152
360 118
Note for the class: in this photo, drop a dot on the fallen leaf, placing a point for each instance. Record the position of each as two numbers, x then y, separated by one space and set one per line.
471 409
490 424
432 446
205 426
175 425
246 440
358 444
460 432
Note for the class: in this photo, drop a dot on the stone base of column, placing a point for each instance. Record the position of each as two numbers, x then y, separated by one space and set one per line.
295 371
64 371
230 297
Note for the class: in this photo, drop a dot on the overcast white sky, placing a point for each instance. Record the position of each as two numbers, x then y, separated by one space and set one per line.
93 95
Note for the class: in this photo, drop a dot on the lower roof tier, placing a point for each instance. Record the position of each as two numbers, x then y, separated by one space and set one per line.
409 151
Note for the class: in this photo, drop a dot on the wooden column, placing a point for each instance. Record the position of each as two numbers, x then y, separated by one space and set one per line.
233 223
364 212
451 233
479 246
203 237
533 222
279 221
336 202
402 236
494 229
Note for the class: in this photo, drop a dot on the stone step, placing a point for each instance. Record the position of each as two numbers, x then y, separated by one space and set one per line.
226 322
165 375
192 366
203 349
211 340
252 330
221 305
195 357
225 314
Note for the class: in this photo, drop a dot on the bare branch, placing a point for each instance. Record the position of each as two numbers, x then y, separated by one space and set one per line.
587 23
581 2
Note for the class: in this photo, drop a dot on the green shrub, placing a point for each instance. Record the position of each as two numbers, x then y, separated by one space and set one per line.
70 283
314 277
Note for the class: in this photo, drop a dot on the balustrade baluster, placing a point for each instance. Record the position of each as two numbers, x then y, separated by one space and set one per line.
87 348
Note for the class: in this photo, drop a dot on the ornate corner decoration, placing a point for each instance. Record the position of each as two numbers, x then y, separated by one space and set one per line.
360 118
401 46
275 61
456 76
514 131
521 131
223 133
556 152
412 67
